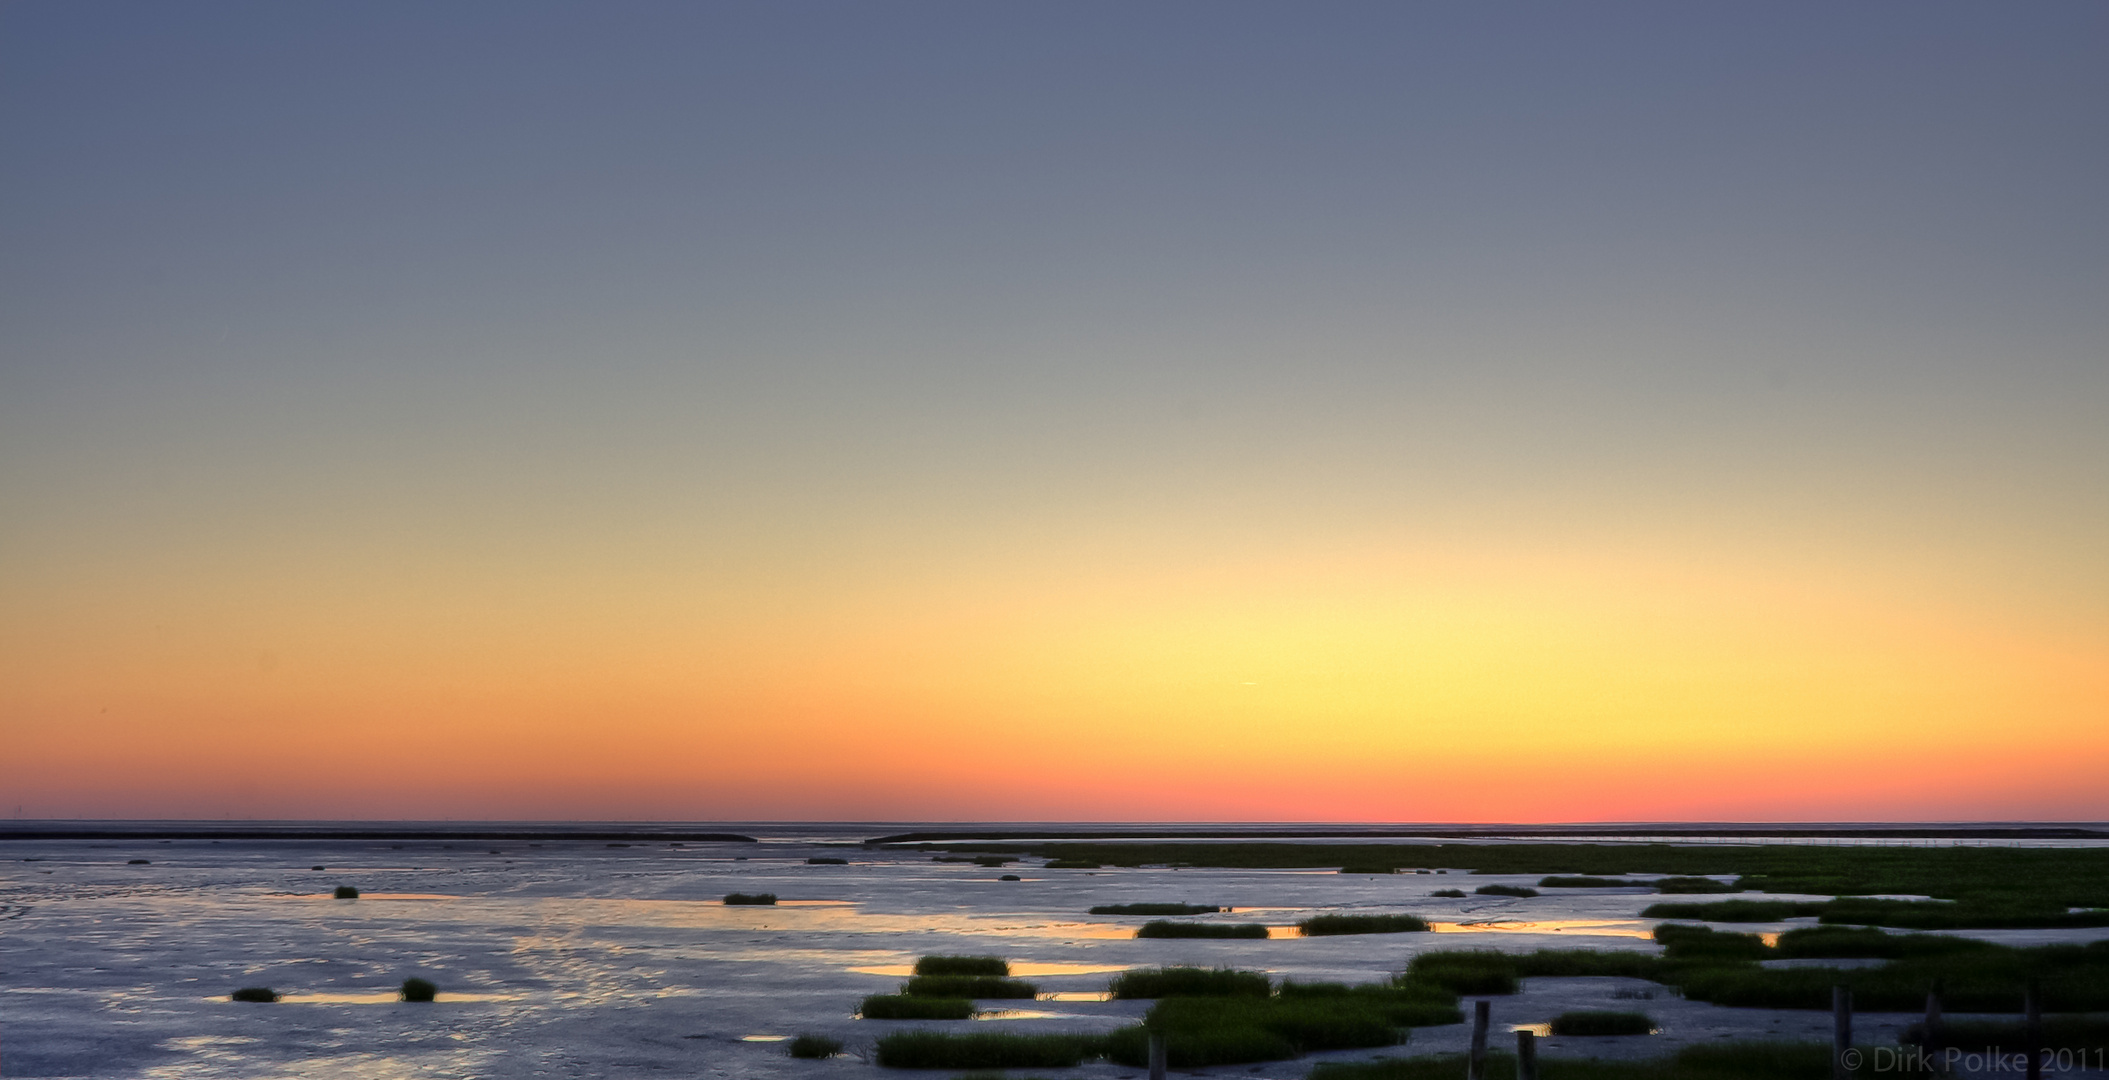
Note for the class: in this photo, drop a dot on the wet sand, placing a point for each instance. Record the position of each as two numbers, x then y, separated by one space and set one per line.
574 959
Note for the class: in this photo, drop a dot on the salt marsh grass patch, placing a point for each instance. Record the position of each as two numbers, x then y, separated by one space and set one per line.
912 1007
968 986
814 1046
1523 891
1328 925
986 1050
1593 1022
1167 982
1165 928
1155 909
963 965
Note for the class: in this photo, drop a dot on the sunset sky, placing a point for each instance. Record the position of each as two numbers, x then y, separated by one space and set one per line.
1174 411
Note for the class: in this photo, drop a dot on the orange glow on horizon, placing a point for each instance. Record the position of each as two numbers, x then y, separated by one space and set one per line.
1400 683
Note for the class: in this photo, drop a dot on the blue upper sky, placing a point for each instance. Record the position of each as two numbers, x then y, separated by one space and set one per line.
804 299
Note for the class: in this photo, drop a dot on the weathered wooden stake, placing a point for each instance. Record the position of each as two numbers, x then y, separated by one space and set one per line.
1476 1062
2033 1023
1157 1055
1935 1037
1841 1030
1526 1055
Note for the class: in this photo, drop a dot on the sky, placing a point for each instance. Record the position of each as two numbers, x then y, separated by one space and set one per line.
961 411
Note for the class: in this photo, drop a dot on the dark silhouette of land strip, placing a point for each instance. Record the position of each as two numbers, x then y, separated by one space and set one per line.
193 831
1987 831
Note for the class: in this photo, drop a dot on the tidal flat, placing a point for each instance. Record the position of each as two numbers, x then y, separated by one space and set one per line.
568 956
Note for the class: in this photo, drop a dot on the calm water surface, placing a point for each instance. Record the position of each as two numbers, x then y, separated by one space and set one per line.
577 959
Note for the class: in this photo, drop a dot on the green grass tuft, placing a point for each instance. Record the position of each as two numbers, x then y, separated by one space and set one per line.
1200 1048
826 860
1369 868
1465 972
814 1046
1575 963
345 892
1155 909
1684 941
1201 1032
967 986
2089 1034
1724 1061
419 990
1734 910
2006 886
1858 942
740 898
908 1007
1073 864
1505 890
1691 885
1165 928
1951 915
1189 982
963 965
1665 885
1455 894
260 994
1327 925
1974 977
1403 1003
986 1050
1599 1022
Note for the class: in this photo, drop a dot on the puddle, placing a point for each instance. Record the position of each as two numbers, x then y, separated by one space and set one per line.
1626 928
1076 995
1030 969
810 903
206 1042
764 1038
1025 1014
1099 931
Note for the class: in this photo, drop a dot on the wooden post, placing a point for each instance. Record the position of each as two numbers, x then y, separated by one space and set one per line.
1157 1055
2033 1028
1935 1038
1526 1055
1476 1063
1841 1030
